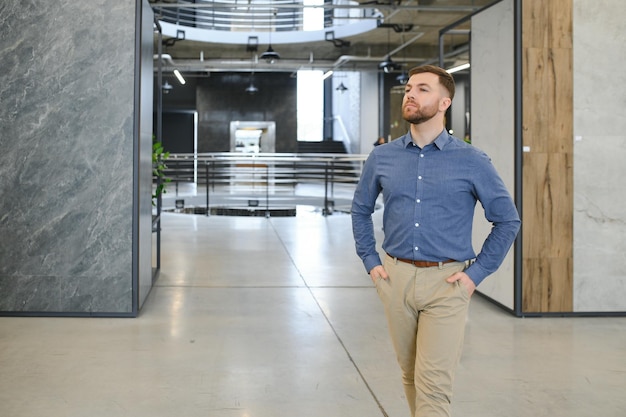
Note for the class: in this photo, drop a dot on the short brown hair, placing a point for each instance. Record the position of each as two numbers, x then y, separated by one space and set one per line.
445 79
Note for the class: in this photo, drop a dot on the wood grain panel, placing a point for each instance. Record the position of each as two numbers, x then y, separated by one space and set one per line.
547 24
547 205
547 178
548 285
548 100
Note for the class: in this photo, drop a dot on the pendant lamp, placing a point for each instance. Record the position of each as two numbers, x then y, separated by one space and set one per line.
270 56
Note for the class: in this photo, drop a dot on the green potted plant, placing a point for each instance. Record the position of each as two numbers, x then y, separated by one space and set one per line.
158 170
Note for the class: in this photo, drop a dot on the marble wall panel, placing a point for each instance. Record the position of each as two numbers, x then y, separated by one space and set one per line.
66 170
599 154
599 224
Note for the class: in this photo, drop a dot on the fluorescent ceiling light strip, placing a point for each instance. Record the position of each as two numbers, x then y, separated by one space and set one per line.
458 68
179 76
327 74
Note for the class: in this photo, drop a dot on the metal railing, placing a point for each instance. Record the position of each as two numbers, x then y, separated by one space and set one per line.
265 16
257 177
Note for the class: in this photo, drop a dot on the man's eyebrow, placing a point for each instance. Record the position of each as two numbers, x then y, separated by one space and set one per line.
418 85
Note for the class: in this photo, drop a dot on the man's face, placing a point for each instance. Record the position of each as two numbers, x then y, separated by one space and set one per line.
423 98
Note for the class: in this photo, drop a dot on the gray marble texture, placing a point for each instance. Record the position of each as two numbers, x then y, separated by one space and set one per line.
66 166
599 154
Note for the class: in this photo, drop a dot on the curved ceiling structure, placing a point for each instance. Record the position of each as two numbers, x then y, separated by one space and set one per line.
231 35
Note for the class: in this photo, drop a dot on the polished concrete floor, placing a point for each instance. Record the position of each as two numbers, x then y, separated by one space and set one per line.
275 317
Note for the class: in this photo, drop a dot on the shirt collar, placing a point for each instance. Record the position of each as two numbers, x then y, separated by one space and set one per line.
440 142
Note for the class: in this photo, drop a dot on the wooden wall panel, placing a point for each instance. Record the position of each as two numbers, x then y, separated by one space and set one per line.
547 24
552 292
548 100
547 205
547 183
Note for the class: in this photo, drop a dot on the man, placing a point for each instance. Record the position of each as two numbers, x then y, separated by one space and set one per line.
430 182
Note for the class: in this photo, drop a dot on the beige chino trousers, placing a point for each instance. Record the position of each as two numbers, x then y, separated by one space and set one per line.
426 318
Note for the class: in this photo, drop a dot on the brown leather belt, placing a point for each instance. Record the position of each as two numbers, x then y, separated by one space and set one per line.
422 264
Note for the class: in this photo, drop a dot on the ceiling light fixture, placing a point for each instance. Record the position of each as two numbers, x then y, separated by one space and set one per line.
251 89
458 68
341 88
388 65
403 78
270 56
179 76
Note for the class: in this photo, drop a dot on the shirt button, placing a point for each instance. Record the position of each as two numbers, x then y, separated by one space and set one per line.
421 155
419 177
416 248
417 225
418 200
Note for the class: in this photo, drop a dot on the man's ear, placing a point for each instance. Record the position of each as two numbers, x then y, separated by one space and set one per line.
445 103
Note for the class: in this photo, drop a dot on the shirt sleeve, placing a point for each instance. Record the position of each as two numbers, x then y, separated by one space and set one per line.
501 212
363 205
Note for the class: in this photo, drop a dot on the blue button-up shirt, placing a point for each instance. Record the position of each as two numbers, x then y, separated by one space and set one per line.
429 196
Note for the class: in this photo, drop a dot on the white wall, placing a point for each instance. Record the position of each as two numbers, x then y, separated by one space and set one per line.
492 126
369 111
457 111
346 109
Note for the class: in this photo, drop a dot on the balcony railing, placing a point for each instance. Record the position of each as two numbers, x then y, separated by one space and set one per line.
259 182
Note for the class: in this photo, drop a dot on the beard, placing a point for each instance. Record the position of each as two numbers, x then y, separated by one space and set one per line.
420 114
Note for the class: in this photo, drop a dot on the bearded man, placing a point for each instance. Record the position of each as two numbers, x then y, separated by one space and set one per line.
430 182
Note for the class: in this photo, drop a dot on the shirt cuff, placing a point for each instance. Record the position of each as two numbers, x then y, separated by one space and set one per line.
370 261
476 273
